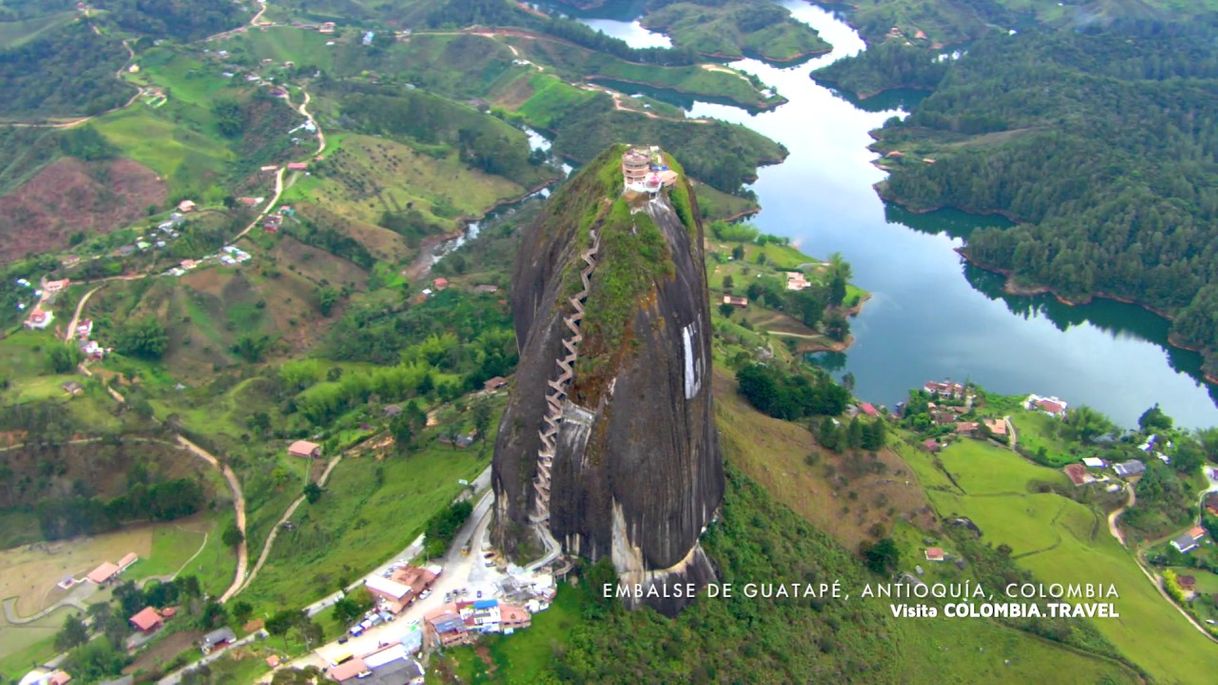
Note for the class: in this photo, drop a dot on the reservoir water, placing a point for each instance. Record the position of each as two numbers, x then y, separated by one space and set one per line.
931 315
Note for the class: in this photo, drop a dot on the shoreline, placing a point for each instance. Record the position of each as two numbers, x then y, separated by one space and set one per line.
861 96
763 106
1010 287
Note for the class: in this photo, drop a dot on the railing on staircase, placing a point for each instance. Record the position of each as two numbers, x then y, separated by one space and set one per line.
555 394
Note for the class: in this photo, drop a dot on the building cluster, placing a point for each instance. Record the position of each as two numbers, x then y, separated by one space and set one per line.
644 171
461 623
160 236
41 316
229 255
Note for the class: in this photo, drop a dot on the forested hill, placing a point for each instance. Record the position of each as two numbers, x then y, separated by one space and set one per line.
181 19
1102 143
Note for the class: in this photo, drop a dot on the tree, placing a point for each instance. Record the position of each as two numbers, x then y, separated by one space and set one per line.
144 337
1086 424
310 631
874 435
312 493
326 297
881 557
281 622
828 435
726 310
259 422
854 433
251 347
72 633
1154 419
213 615
837 327
63 358
241 611
728 283
232 535
346 610
229 120
1188 455
482 419
838 275
1208 438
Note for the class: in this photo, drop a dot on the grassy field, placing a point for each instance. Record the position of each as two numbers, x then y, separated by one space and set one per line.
14 34
283 44
368 176
23 646
845 504
30 572
371 510
1062 541
1037 434
933 650
190 161
716 204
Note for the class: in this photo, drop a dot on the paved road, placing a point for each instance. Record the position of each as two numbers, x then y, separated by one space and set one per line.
238 505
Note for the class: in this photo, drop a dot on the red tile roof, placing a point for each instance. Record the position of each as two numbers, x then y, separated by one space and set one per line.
146 620
103 573
348 669
1077 473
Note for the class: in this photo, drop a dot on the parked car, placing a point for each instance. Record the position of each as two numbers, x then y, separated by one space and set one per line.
356 630
425 594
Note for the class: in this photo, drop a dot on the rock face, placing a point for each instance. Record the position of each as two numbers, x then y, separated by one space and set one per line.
636 472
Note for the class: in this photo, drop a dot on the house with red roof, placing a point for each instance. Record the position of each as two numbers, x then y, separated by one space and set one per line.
440 283
868 409
934 554
147 620
1052 406
513 618
103 573
304 449
1078 474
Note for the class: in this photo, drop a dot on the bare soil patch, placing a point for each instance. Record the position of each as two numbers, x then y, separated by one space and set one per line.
68 196
164 650
30 572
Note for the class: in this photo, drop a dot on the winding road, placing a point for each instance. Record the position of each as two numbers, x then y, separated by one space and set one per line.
69 334
238 506
287 515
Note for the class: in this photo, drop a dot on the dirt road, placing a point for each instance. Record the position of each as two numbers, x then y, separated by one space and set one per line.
69 334
238 505
1113 529
287 515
